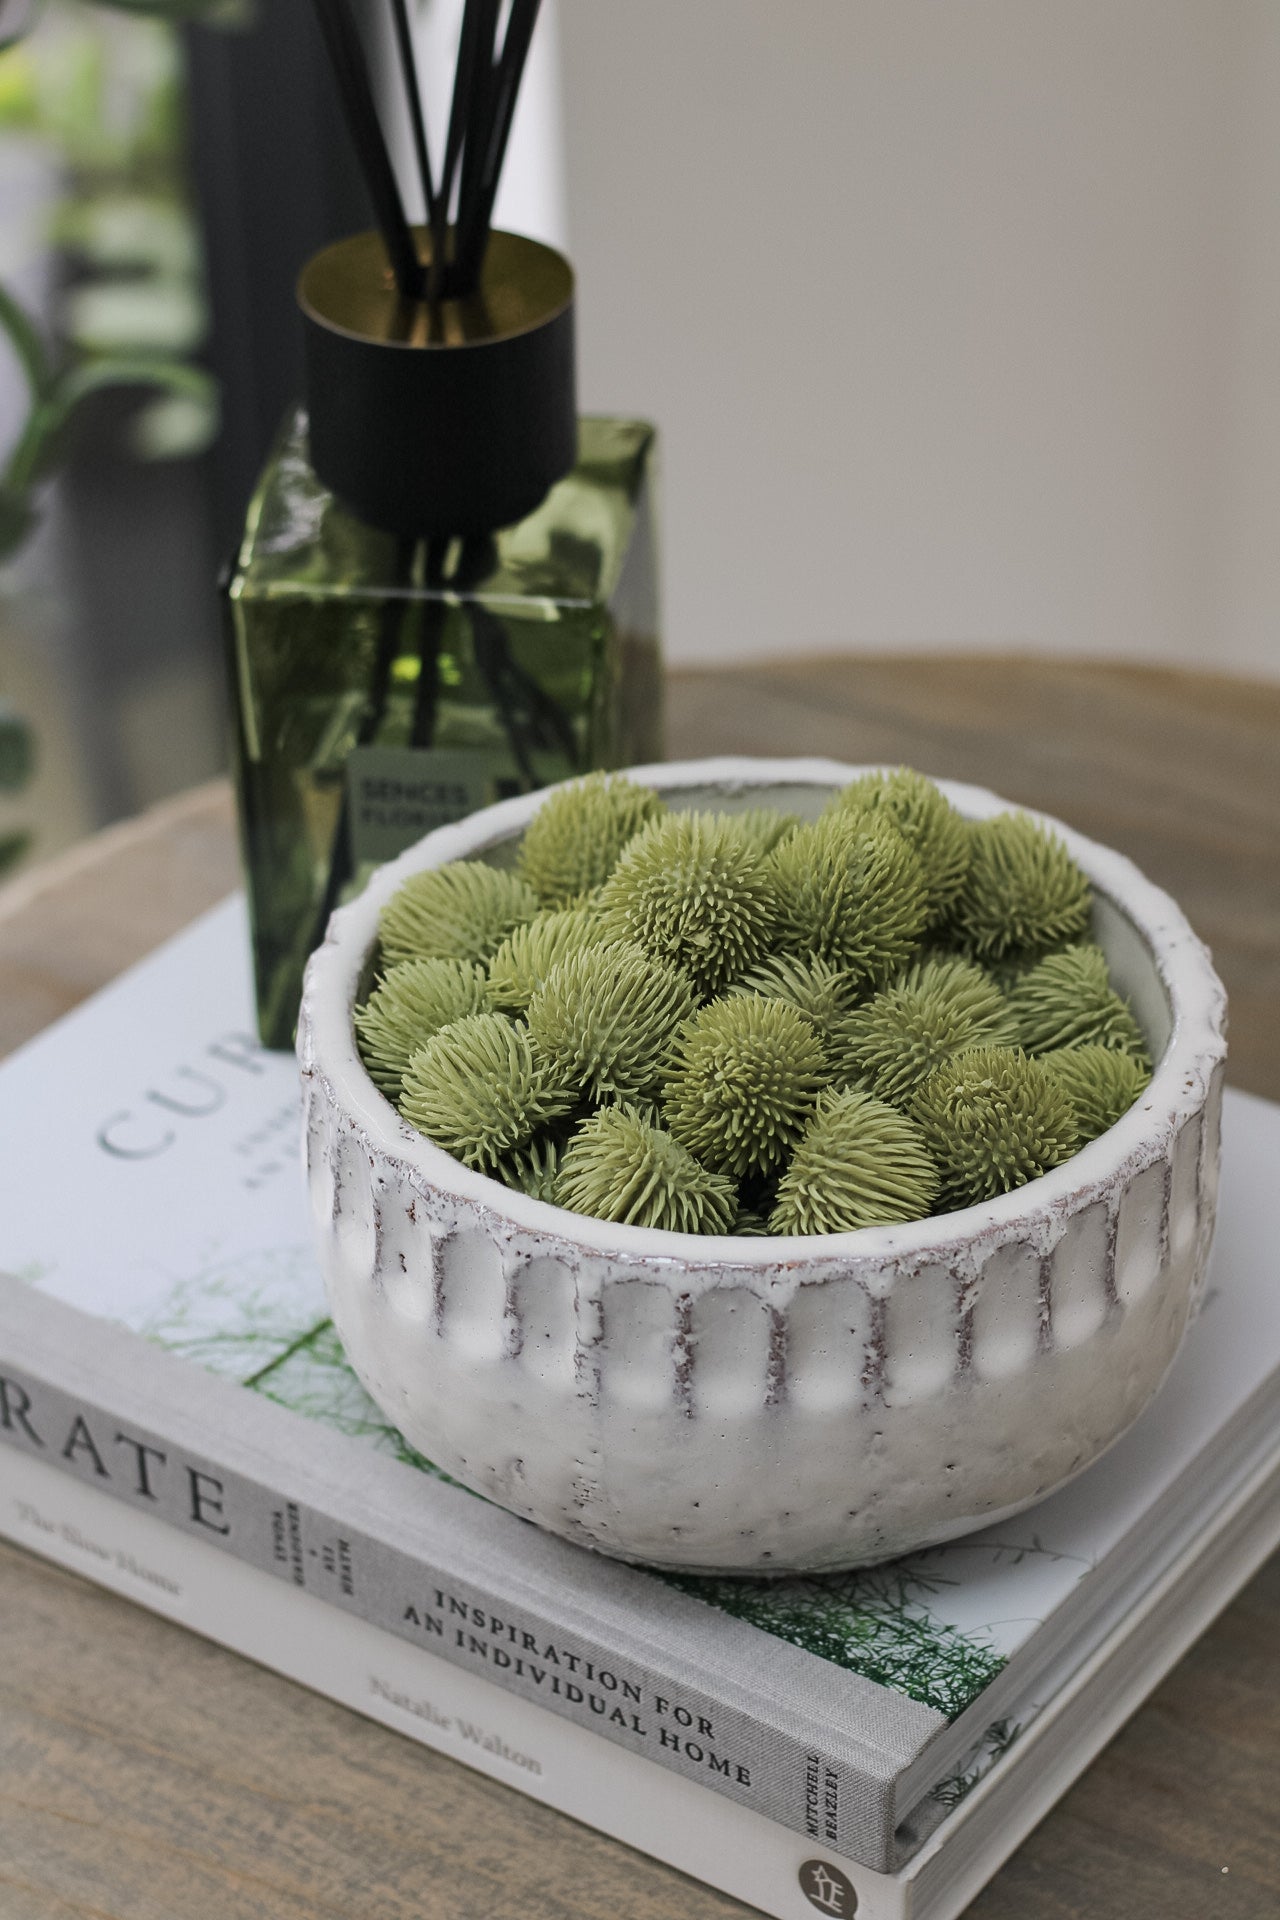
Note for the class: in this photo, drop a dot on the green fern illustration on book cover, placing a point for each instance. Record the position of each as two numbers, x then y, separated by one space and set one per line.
875 1622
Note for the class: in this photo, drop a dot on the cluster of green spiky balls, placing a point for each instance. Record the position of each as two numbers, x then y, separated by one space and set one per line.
747 1023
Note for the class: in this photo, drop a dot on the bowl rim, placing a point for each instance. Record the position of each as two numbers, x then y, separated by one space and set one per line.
1180 1083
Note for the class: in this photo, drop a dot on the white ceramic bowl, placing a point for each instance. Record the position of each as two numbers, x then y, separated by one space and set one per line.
765 1404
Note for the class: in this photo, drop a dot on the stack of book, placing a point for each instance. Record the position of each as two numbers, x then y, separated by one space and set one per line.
181 1424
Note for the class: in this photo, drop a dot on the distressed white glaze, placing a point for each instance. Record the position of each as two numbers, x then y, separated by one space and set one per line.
765 1404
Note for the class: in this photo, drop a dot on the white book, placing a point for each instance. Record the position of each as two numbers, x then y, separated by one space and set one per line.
184 1428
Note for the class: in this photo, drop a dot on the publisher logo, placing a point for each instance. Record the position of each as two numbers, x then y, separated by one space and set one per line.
827 1889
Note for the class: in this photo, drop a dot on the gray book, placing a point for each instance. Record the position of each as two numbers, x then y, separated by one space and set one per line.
164 1340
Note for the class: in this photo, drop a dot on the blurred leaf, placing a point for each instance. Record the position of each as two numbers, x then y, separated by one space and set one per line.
176 10
136 316
70 80
12 848
107 91
24 338
108 94
19 97
17 749
129 370
176 427
117 230
17 17
38 445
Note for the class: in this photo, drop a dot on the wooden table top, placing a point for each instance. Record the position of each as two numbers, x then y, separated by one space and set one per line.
149 1775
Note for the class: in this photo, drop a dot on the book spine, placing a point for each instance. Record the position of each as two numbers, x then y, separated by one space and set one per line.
663 1715
453 1711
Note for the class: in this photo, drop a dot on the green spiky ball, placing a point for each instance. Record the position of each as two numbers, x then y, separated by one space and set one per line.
1067 1000
527 956
851 891
927 821
750 1224
479 1089
607 1015
462 911
860 1163
573 842
815 988
933 1011
993 1119
744 1079
618 1167
886 1031
763 827
693 892
532 1169
1100 1083
1023 891
1017 965
410 1003
964 984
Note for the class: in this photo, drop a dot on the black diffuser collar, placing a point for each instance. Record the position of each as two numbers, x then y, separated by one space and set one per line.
446 419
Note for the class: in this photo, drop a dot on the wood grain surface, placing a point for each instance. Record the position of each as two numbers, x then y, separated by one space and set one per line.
149 1775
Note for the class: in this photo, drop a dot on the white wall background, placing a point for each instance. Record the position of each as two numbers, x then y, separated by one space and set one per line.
960 318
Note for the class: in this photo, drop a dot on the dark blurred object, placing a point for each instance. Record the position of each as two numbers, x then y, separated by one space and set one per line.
274 181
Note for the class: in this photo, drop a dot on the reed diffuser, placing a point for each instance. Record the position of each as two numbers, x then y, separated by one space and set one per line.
446 590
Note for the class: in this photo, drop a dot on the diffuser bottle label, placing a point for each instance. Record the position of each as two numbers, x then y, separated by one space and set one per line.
397 794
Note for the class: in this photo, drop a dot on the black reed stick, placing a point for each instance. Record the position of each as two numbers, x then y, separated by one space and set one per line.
533 721
485 89
468 53
435 212
346 56
413 100
476 110
515 51
434 615
505 88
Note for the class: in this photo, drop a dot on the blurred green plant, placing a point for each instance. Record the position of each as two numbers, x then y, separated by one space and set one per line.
55 395
17 17
215 12
17 759
108 104
17 754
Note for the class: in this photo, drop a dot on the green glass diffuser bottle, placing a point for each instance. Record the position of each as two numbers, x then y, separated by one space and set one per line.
446 590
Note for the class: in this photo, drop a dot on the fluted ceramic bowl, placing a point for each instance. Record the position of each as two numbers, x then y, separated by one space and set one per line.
739 1404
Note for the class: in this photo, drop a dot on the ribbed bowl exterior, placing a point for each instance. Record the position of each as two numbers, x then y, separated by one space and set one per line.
766 1405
